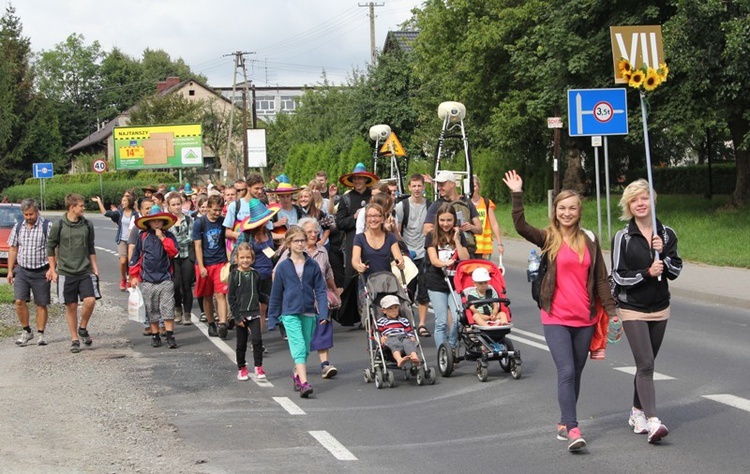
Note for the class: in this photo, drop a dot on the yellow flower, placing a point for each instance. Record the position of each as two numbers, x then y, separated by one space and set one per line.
626 75
652 80
663 72
636 79
623 66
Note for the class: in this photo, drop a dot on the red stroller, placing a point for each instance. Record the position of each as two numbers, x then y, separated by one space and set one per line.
480 343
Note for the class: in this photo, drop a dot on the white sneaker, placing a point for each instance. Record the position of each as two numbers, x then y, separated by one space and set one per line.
24 338
40 340
656 430
638 421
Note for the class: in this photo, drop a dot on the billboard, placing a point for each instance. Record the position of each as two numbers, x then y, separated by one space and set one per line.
161 146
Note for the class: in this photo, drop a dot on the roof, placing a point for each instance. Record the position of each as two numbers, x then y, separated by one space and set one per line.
401 40
103 133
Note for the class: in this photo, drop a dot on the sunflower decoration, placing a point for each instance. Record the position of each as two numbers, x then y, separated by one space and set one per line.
645 78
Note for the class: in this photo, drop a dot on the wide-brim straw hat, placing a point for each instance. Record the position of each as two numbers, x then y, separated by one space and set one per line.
148 188
168 218
259 214
359 170
284 188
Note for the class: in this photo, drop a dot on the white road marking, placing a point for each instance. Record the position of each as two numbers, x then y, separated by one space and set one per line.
289 406
333 446
515 338
529 334
631 371
111 252
731 400
224 347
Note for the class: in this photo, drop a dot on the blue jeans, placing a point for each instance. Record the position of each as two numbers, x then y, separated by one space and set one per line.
441 302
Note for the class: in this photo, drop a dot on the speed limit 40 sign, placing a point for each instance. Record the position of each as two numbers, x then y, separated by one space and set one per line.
594 112
100 166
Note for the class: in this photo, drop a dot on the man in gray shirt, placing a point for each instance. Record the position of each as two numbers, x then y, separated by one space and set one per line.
411 214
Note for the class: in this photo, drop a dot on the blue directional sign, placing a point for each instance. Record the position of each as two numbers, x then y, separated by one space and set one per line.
594 112
43 170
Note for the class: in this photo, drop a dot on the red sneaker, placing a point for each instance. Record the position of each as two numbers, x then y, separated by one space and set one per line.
123 285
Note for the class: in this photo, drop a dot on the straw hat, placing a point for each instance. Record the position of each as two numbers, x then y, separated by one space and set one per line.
148 188
359 170
259 214
284 188
156 214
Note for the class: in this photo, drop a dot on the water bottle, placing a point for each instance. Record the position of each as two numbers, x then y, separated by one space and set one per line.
615 330
534 262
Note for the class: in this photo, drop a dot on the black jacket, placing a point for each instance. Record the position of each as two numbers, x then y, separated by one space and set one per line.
631 258
244 294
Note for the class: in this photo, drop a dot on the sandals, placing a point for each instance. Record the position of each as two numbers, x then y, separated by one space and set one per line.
423 332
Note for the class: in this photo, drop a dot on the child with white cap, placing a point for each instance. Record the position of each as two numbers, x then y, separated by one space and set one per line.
396 332
487 314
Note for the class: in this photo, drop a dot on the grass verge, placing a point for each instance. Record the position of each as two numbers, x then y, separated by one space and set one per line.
707 231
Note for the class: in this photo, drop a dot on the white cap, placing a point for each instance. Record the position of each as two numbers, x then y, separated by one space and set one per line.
480 274
389 300
444 177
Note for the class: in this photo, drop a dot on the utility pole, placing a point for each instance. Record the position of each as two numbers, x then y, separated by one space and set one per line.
373 51
239 62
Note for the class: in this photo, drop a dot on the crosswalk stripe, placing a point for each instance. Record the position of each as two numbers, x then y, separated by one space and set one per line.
731 400
289 406
631 371
333 446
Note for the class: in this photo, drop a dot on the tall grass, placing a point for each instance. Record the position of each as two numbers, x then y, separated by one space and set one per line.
707 231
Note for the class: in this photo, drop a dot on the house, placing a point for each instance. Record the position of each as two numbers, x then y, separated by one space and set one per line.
399 41
101 141
269 100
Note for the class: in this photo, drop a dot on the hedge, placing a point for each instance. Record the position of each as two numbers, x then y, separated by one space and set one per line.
691 179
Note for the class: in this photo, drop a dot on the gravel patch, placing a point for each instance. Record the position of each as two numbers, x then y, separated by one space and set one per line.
87 412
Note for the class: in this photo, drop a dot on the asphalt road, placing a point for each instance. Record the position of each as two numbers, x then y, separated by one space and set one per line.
459 424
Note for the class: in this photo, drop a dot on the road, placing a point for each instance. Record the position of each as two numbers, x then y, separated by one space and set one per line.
459 424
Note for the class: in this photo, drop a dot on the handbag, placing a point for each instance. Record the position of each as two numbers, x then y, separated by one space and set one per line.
536 284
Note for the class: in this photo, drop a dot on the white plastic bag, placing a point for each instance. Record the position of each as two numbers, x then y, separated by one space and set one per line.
136 306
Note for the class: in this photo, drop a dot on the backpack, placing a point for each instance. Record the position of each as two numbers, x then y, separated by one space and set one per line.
460 206
85 221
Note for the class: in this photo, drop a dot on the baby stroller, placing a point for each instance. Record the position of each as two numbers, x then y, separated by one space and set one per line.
382 364
480 343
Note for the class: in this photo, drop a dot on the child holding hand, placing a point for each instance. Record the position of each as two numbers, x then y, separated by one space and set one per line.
487 314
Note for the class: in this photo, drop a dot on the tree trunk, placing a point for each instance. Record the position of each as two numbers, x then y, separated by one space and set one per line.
739 129
574 175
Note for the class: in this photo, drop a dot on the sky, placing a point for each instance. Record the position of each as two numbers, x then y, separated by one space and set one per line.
293 41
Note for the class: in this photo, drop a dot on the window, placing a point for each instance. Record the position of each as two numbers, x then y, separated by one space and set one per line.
191 92
287 103
265 104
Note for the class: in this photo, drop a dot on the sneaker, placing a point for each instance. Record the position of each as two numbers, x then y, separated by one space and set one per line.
84 335
178 315
155 341
562 432
242 374
187 319
265 350
328 371
24 338
203 317
296 384
212 332
123 285
305 390
638 421
230 323
260 374
223 330
147 331
575 440
171 343
656 430
75 347
40 339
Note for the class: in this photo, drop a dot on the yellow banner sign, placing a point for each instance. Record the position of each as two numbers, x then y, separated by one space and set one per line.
638 44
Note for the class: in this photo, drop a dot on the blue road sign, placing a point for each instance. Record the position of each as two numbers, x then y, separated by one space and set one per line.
43 170
594 112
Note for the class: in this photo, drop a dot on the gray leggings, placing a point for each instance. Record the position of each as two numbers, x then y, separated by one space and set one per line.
569 347
645 339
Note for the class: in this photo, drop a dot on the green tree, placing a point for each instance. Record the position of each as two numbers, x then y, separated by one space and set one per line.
122 83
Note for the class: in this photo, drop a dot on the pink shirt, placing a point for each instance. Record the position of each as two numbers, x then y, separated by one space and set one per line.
570 302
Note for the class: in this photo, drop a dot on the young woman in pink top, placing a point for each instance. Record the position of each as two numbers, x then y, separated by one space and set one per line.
568 304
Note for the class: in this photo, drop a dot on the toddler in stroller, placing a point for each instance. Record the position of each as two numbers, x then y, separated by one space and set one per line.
482 337
391 341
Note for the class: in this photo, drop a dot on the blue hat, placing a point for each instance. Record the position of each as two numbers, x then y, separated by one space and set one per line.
259 214
282 178
188 190
359 170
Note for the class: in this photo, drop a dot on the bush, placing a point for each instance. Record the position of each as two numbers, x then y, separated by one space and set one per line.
55 193
691 179
152 177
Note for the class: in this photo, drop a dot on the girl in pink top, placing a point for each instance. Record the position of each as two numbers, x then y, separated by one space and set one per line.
568 303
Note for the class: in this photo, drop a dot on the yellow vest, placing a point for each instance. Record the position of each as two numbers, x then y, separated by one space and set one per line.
484 240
